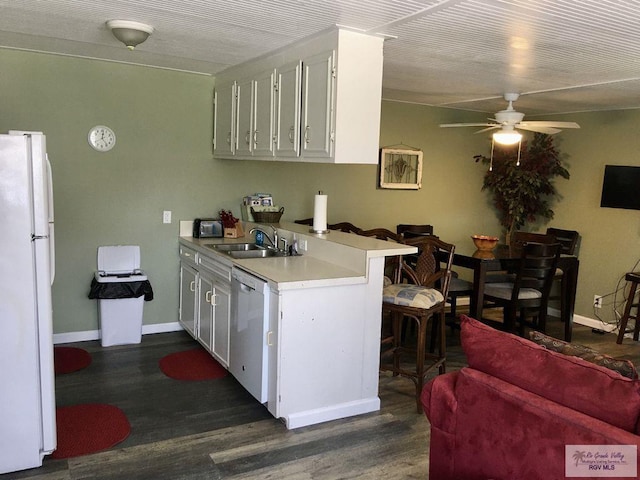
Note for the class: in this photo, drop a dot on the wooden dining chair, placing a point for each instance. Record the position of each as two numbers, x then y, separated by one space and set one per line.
419 299
527 296
344 227
304 221
568 240
408 230
520 238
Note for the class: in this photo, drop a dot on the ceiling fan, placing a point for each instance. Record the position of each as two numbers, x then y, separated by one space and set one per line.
509 120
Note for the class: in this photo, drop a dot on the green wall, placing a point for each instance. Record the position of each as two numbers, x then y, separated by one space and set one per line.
163 161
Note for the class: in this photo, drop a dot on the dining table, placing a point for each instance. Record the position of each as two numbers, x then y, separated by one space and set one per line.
505 258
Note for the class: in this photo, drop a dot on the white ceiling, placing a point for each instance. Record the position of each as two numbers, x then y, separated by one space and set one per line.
561 55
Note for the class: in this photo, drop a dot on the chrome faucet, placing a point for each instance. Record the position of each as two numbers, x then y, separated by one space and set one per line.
273 240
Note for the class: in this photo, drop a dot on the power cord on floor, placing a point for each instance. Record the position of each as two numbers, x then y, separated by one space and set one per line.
618 303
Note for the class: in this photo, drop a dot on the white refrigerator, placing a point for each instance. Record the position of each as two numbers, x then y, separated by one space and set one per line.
27 390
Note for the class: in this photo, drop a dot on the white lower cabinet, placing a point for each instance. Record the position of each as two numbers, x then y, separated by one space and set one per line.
206 312
205 291
220 344
188 285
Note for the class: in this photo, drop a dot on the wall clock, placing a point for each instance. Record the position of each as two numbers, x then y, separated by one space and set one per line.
102 138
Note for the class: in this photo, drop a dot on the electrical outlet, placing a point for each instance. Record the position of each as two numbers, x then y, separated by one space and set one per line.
302 245
597 301
166 216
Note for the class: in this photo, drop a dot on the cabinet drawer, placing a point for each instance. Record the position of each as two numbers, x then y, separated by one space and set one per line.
219 269
188 255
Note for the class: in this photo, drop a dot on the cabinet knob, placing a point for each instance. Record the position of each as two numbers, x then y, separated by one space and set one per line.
307 134
192 286
247 137
291 133
255 138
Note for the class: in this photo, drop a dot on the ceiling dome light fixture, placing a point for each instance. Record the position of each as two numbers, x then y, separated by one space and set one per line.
130 33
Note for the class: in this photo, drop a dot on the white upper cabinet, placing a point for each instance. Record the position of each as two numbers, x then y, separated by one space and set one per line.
317 101
244 109
317 106
287 118
224 129
263 106
254 107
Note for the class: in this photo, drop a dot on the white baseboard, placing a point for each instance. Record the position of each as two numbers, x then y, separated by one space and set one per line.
333 412
88 335
587 321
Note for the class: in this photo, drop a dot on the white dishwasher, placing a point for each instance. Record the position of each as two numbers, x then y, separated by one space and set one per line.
248 355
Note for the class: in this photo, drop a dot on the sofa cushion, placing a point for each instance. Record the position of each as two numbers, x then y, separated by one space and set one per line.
626 368
570 381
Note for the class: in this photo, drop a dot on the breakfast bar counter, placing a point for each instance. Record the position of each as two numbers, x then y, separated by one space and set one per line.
323 338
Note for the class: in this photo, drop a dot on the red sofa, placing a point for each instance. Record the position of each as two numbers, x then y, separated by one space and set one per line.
512 411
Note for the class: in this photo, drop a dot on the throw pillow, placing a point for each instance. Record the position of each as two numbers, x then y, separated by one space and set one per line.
622 366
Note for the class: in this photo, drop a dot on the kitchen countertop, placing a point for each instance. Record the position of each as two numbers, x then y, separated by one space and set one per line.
323 267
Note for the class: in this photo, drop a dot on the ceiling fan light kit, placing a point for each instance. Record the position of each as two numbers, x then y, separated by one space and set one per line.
129 32
505 137
508 120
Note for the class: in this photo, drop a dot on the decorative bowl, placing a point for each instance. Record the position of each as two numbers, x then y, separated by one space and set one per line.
485 243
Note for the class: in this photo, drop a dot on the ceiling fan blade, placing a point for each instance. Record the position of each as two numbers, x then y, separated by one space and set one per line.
492 127
467 125
541 123
537 128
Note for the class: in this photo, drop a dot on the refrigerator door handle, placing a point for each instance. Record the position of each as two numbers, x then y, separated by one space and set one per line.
52 253
52 243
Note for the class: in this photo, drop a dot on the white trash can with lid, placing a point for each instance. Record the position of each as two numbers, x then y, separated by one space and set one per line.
121 289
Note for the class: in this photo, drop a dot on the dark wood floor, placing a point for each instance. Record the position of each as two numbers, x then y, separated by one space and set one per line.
215 430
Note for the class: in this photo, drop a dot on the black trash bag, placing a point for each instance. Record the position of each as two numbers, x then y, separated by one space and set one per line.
121 290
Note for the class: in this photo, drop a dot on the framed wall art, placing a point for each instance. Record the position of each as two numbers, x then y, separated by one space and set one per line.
400 168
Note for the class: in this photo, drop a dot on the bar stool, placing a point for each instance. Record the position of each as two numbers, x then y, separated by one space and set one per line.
634 279
420 301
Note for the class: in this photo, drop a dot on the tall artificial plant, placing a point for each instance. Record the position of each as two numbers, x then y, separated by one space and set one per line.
523 193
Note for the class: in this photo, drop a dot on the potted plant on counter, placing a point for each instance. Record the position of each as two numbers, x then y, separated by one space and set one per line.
523 193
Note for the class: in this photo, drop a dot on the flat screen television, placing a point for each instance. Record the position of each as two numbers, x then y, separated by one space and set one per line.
621 187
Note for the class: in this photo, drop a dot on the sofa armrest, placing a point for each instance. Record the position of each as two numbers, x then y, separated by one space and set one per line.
439 401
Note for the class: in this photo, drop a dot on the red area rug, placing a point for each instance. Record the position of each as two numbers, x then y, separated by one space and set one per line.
89 428
70 359
191 365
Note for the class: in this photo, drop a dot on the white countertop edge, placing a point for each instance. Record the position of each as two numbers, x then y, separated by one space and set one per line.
286 273
373 246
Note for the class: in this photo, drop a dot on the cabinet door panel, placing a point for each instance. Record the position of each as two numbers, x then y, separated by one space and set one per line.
317 106
224 135
244 99
221 325
206 312
289 81
188 283
262 136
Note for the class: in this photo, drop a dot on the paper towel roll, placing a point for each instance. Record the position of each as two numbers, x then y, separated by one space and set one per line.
320 213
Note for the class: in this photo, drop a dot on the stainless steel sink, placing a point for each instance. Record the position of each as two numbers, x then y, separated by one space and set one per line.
262 253
245 250
229 247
